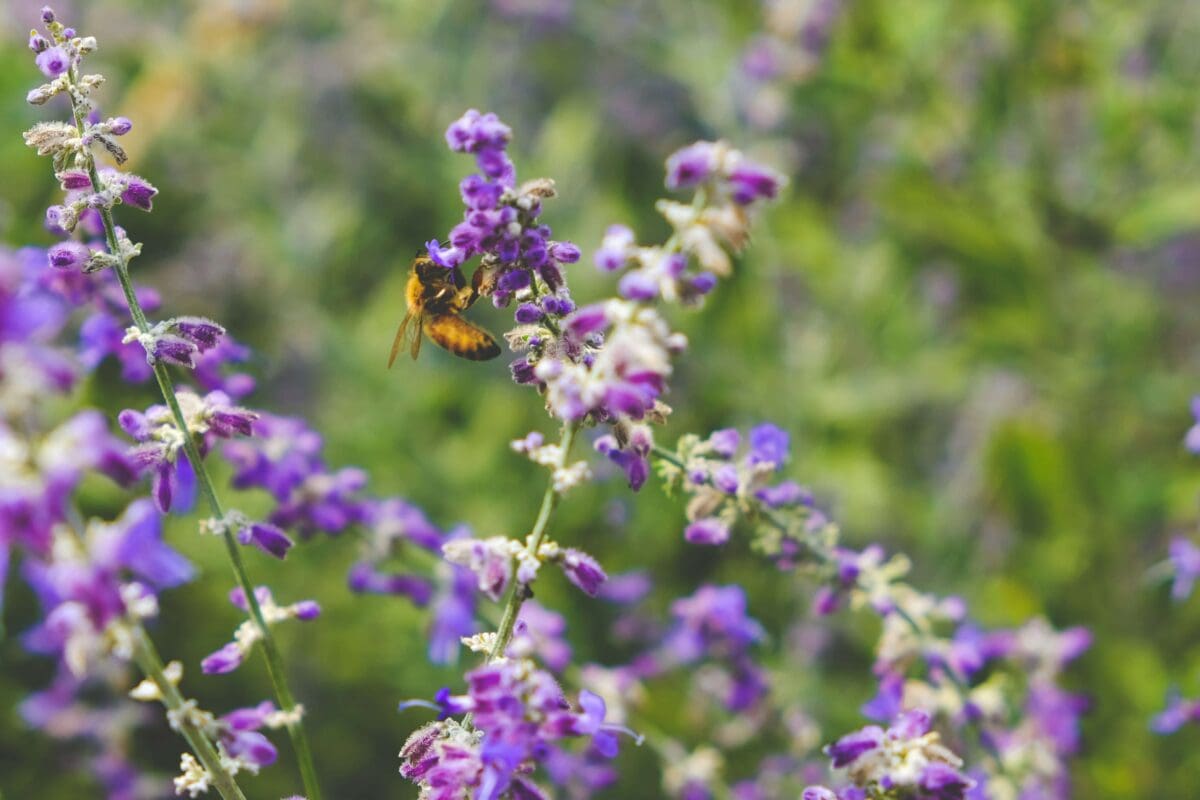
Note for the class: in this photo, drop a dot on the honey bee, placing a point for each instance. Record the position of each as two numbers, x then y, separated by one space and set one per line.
436 299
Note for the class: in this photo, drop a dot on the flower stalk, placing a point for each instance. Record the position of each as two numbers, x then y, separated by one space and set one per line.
148 659
166 386
520 592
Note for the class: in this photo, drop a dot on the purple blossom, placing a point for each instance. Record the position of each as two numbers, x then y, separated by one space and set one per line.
490 560
138 192
266 537
852 746
283 454
521 715
712 622
615 248
1179 712
365 578
1185 560
160 442
906 757
691 166
768 445
1192 440
707 531
53 61
633 458
224 660
68 255
582 570
750 182
453 615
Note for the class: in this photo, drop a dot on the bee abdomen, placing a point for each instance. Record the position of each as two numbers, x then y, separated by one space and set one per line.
462 338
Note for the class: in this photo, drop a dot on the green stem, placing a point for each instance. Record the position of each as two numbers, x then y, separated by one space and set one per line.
167 387
151 664
520 591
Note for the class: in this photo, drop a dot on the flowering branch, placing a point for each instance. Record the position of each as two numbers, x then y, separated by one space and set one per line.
520 591
165 690
61 61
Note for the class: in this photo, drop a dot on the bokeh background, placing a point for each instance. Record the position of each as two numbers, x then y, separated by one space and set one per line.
977 309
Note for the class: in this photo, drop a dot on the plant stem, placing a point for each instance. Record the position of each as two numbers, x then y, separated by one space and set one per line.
167 387
151 664
520 591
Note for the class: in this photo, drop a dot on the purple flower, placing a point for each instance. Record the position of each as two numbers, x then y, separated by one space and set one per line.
691 165
787 493
453 615
1192 440
725 478
474 131
751 182
135 542
582 570
138 193
68 255
940 781
325 502
265 537
201 332
818 793
489 559
886 704
53 61
365 578
707 531
851 747
892 756
725 442
283 454
520 714
713 620
225 660
634 458
615 248
1185 559
768 445
1178 713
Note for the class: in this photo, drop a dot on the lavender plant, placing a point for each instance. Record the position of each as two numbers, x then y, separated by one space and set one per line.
172 439
962 712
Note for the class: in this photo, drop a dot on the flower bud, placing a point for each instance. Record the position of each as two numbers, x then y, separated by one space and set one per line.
138 193
68 255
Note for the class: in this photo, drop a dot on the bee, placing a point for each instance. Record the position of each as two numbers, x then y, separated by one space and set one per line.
436 299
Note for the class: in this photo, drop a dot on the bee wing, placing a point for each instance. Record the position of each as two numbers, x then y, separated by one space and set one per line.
464 339
398 342
417 339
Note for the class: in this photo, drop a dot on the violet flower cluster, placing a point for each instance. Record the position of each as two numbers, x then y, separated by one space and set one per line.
98 581
930 657
604 364
519 718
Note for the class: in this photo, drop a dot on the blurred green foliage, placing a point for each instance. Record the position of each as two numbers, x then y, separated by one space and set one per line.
976 310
